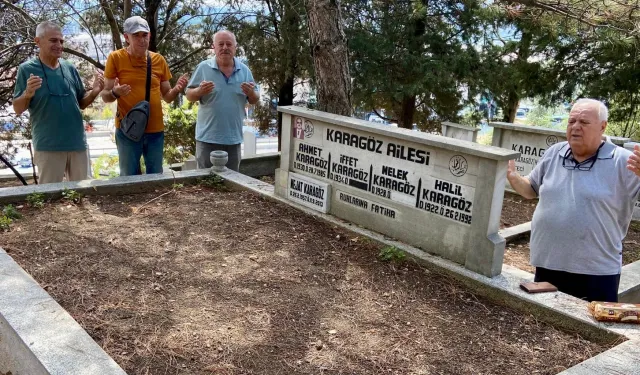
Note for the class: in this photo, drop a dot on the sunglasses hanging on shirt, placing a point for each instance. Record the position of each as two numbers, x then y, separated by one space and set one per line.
47 81
568 162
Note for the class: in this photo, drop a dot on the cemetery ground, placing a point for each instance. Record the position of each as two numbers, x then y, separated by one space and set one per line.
195 280
10 183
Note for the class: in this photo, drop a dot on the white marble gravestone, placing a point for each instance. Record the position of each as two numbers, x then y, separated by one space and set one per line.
457 131
440 194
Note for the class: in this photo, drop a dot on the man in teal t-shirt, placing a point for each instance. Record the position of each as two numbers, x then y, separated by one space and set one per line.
51 89
223 86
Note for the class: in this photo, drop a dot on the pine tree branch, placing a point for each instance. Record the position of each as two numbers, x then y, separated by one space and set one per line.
19 10
180 62
81 55
115 31
15 46
86 27
170 7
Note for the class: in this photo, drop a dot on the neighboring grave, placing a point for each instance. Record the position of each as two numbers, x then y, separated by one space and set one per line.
619 141
441 194
531 142
457 131
190 164
249 140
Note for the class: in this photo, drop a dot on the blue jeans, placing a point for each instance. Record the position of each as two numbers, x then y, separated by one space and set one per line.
129 153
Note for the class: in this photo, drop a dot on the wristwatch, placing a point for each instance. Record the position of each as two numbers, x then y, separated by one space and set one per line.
114 94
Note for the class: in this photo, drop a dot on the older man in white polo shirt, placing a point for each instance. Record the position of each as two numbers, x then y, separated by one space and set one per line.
587 188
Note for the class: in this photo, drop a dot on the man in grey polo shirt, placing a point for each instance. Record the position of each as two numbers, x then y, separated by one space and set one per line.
587 188
223 85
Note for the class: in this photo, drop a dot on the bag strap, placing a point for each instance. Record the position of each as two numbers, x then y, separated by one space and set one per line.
148 86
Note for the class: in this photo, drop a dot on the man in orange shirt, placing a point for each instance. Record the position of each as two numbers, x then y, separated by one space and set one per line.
125 81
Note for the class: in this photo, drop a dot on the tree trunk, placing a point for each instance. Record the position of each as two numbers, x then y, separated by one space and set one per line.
113 25
330 56
153 6
511 107
416 48
513 100
285 97
290 32
408 111
127 9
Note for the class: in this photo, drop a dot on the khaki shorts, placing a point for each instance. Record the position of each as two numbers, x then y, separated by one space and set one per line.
53 166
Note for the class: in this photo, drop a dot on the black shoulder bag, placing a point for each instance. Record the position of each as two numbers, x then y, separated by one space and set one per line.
135 121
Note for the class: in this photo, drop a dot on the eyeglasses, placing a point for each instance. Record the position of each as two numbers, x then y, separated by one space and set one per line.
584 165
47 81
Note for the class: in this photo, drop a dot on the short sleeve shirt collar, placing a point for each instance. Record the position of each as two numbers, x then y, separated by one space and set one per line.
214 64
607 151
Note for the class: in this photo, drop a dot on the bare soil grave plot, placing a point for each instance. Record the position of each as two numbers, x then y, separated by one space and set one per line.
12 183
517 210
199 281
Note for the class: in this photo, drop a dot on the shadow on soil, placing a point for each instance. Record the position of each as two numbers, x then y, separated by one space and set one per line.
206 282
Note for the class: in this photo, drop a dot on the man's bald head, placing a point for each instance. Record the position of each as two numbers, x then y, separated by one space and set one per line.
223 34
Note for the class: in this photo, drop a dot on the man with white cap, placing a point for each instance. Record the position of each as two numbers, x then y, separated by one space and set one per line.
125 81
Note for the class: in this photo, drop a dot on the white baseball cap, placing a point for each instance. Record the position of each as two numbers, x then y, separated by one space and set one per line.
135 24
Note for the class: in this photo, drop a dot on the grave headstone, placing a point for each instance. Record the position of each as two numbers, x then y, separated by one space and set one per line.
308 192
190 164
619 141
457 131
440 194
249 143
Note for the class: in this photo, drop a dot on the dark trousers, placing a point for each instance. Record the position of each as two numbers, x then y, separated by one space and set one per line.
587 287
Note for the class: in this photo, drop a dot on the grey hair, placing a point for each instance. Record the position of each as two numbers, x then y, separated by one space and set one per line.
228 32
603 111
45 26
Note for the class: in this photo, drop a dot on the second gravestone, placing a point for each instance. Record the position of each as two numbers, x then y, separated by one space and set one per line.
531 142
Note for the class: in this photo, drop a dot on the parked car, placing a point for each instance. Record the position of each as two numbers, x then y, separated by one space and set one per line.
376 119
558 119
24 163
